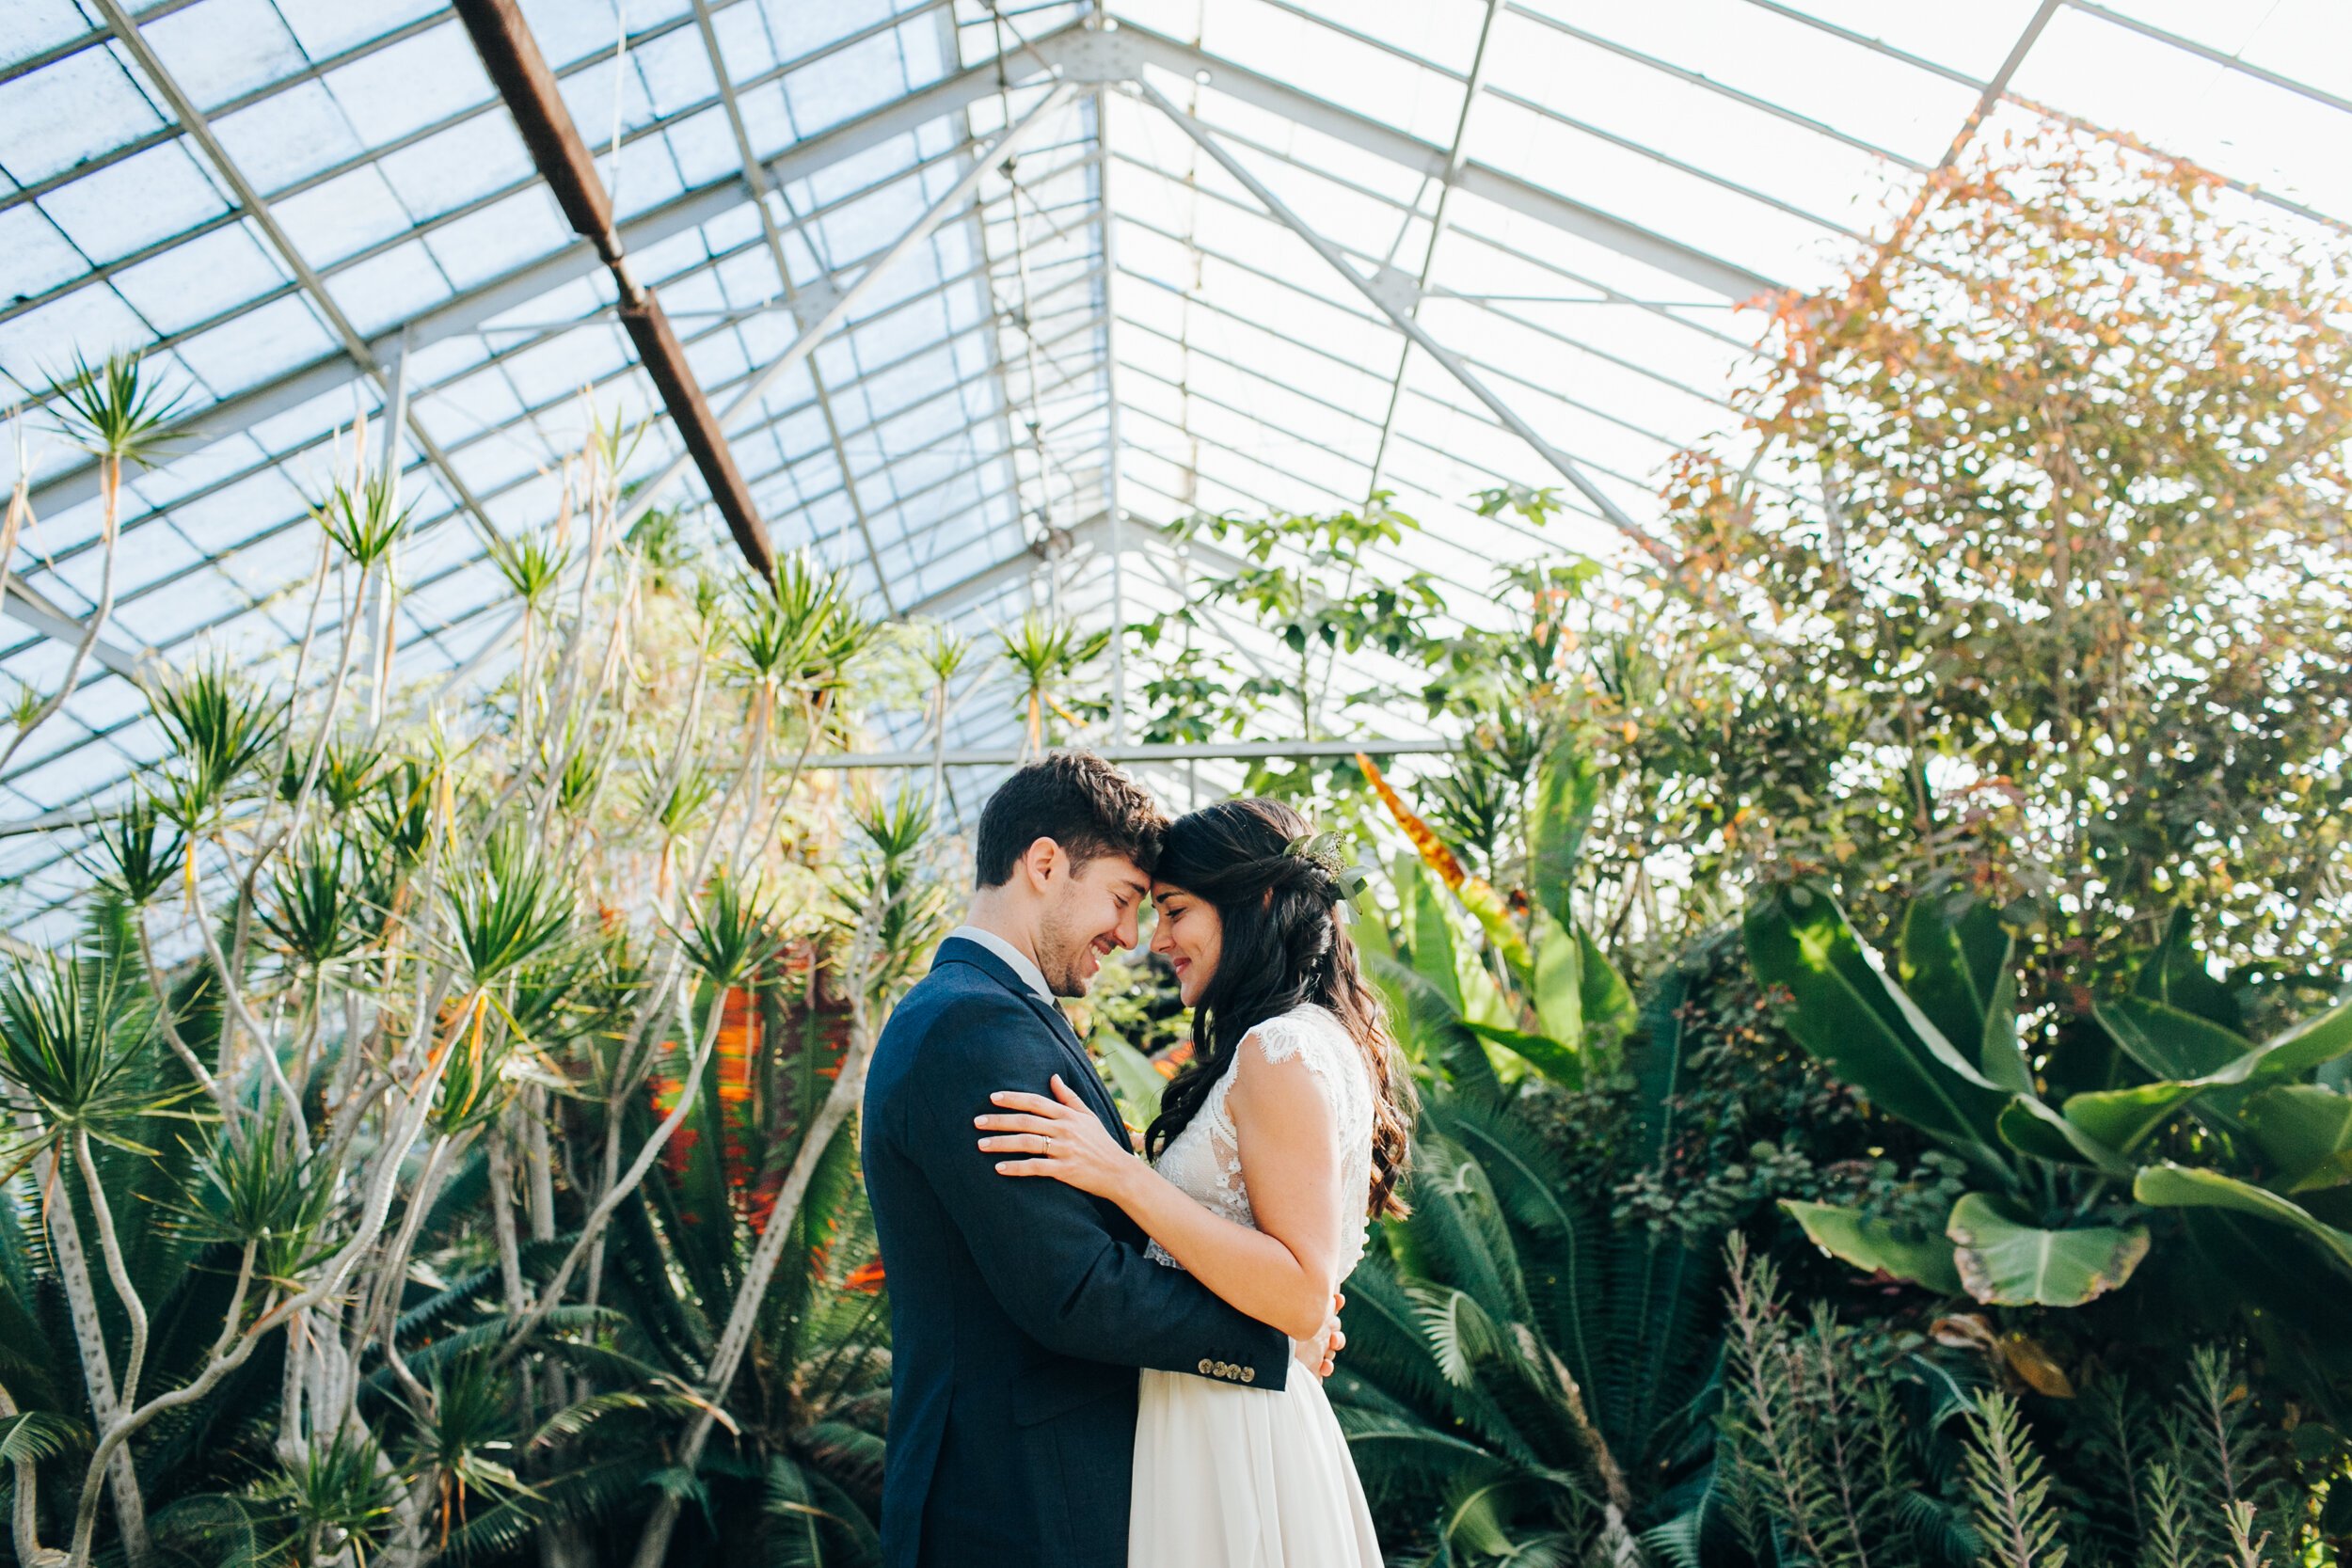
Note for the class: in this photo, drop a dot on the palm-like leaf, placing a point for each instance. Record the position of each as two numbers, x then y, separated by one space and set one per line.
220 726
115 410
74 1032
364 521
508 910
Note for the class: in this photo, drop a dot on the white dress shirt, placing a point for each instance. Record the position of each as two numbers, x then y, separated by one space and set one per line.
1015 960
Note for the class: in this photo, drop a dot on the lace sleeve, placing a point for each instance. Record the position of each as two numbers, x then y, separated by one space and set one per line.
1277 1040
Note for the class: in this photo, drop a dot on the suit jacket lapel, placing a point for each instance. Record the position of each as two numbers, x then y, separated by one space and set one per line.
1082 1075
1088 1082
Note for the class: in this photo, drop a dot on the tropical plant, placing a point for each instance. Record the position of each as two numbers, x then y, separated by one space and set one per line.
2041 504
329 1149
1526 1370
1050 656
1535 985
2159 1107
1301 580
118 413
1522 1377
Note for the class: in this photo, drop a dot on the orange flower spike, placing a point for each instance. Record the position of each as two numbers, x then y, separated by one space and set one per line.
1477 895
1432 849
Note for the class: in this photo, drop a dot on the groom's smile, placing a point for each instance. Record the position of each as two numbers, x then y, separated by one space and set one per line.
1091 912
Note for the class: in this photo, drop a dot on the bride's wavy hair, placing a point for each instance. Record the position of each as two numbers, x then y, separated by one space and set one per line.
1284 943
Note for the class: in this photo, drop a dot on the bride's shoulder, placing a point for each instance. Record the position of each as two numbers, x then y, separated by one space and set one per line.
1307 1029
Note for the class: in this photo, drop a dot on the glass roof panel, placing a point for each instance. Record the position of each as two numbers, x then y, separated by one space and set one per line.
1580 242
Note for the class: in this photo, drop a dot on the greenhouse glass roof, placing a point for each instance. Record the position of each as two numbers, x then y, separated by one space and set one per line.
1012 356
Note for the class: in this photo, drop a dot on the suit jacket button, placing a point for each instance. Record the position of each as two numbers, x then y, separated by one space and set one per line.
1249 1374
1206 1366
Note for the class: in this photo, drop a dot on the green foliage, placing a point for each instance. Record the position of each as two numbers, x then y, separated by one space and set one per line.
331 1498
115 411
507 909
734 931
75 1044
2010 1490
1304 581
2054 576
532 568
1525 1375
314 910
2044 1225
365 521
1050 656
249 1192
142 851
220 727
1814 1463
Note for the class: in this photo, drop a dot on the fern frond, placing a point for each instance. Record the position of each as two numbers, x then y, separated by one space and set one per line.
2011 1490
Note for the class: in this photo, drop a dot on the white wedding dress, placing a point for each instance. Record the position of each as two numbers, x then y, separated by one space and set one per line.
1229 1476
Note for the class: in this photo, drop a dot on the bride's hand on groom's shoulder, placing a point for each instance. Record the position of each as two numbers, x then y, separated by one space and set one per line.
1061 1138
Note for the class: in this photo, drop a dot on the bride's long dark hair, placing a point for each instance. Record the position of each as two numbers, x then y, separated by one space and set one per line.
1284 943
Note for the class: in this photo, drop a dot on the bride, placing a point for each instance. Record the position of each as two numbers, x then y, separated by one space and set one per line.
1270 1155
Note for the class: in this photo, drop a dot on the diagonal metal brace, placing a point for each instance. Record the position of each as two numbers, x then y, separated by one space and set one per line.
1392 304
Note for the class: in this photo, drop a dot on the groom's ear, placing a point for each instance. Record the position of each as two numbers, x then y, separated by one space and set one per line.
1042 860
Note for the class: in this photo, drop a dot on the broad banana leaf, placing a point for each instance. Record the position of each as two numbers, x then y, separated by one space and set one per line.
1568 790
2155 1032
1954 958
1559 981
1553 1058
1433 957
1608 1002
2120 1118
1849 1014
1136 1084
2030 1127
2004 1262
2171 1186
2176 975
1876 1246
1453 968
2169 1042
2306 1131
2308 1045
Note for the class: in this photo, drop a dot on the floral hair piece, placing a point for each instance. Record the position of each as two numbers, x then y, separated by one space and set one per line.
1327 852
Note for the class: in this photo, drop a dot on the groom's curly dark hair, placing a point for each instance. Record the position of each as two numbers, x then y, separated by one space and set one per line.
1079 800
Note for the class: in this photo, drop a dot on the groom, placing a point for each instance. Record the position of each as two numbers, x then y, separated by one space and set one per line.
1020 1310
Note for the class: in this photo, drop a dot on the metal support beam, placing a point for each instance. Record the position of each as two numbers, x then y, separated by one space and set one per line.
470 309
199 131
520 73
1454 161
1002 756
1998 87
31 607
1384 299
1110 426
847 297
755 178
1712 272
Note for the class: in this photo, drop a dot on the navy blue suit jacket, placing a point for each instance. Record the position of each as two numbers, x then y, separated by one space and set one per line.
1020 1308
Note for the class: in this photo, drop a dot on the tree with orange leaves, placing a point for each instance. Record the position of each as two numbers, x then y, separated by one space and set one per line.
2046 550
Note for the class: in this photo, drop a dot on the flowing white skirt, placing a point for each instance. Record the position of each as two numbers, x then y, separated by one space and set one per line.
1228 1477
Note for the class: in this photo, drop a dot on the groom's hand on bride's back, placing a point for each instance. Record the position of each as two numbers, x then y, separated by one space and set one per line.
1320 1354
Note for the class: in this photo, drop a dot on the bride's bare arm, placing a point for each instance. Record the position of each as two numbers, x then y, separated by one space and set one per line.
1283 1273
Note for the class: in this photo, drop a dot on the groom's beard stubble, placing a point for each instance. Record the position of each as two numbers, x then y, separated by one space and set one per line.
1062 955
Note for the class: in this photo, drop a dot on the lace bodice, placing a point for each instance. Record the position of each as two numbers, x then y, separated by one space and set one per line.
1205 1158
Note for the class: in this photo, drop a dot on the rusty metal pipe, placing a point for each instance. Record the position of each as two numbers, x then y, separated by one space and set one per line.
520 73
